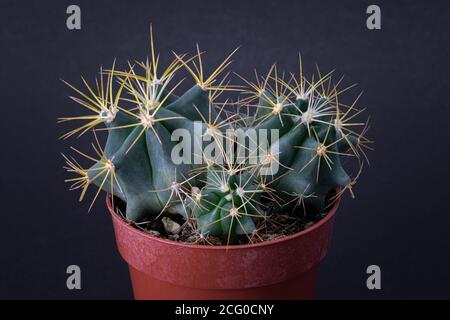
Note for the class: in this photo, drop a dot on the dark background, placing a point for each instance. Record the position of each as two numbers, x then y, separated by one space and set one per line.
400 219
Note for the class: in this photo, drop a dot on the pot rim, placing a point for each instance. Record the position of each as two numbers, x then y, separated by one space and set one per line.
302 233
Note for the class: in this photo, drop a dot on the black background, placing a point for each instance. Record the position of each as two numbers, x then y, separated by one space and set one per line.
400 219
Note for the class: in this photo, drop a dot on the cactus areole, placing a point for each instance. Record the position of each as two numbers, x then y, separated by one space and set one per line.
223 191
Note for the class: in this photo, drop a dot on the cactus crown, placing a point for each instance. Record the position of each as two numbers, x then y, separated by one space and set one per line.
277 150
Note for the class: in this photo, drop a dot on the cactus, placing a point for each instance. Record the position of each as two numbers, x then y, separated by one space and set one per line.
314 134
139 144
231 197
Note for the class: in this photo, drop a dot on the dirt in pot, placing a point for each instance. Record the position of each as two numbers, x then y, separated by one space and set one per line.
276 225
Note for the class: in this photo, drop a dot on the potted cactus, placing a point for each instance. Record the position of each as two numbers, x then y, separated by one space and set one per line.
222 192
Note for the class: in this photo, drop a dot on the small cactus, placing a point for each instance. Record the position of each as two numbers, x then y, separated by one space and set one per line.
309 130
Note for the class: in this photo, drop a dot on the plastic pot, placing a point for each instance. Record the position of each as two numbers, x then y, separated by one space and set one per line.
285 268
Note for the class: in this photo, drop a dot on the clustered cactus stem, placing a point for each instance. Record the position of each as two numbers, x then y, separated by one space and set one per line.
231 186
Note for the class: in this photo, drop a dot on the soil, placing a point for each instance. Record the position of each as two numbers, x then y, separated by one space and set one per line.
274 226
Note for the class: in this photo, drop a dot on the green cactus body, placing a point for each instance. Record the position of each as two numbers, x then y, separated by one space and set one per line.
228 204
227 198
142 157
304 172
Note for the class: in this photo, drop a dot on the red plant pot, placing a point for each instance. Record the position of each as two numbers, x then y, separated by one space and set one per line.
284 268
